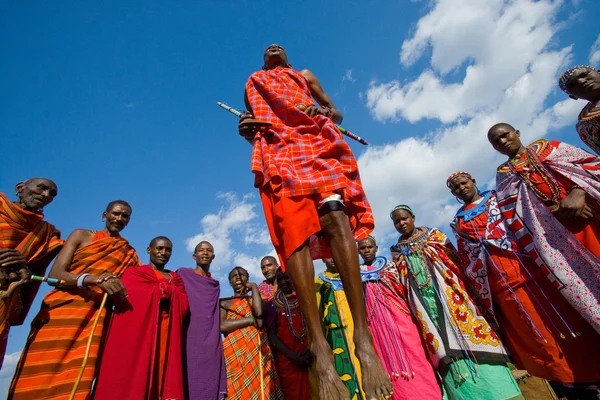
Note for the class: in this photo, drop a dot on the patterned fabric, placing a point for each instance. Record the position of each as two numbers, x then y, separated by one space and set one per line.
38 241
396 337
244 349
535 319
472 249
56 345
337 322
299 155
588 126
450 323
267 290
573 268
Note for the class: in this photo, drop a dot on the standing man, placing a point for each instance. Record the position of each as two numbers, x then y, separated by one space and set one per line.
548 194
309 184
90 264
145 337
206 376
268 287
26 241
583 82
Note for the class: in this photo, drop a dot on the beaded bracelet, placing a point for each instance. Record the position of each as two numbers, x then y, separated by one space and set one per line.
329 111
252 320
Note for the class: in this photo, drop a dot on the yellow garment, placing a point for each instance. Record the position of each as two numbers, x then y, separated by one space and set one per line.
347 323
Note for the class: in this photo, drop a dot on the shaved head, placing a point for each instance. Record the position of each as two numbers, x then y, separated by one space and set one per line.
156 239
200 244
501 125
270 258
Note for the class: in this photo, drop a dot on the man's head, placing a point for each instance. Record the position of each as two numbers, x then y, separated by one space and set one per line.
160 249
204 254
581 82
284 281
505 139
36 193
367 248
238 277
268 267
403 219
330 265
275 56
463 186
117 216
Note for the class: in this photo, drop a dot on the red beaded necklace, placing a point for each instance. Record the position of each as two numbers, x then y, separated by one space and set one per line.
533 163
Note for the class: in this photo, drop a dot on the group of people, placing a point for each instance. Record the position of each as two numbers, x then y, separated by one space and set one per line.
521 287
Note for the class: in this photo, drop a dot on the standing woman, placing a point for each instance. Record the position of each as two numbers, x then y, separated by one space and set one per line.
466 352
535 318
249 361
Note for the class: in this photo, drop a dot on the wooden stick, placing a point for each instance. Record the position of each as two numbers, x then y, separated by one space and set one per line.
87 349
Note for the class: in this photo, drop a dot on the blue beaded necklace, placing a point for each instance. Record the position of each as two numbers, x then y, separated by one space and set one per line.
479 209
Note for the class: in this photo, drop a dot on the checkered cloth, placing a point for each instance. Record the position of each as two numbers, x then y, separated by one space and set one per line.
299 155
267 291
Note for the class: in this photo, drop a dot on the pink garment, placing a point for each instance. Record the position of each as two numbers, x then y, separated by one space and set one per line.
396 337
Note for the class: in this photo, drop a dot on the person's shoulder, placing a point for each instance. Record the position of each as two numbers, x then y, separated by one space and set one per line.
81 233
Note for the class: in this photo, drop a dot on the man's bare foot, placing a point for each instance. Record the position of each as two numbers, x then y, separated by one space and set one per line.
330 385
375 381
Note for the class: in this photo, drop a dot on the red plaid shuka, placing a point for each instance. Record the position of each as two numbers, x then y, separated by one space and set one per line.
299 155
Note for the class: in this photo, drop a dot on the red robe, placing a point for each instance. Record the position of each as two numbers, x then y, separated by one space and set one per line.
141 359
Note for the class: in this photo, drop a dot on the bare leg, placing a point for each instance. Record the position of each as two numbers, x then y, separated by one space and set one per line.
375 381
302 271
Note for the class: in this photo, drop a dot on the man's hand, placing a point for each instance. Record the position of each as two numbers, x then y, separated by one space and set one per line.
112 285
574 206
11 258
313 110
303 360
252 286
248 126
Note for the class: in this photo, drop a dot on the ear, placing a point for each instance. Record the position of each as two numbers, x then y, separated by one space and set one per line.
213 257
19 187
518 132
148 250
194 256
104 214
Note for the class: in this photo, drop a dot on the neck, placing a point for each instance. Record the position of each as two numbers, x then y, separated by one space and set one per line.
202 269
474 198
157 267
413 233
272 282
518 154
22 205
112 234
369 262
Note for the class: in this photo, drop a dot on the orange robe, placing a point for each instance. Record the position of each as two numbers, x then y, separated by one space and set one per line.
527 307
56 345
244 350
38 241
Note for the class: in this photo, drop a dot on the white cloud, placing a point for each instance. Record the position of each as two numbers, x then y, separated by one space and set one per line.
497 41
348 76
8 370
595 52
489 62
230 230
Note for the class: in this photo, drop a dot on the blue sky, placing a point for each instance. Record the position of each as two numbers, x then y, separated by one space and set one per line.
118 100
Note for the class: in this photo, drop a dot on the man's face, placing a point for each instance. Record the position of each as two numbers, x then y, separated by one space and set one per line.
275 56
505 140
330 265
584 84
117 217
204 254
284 282
268 267
160 252
35 194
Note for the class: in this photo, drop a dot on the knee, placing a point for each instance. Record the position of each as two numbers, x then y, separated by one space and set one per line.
335 223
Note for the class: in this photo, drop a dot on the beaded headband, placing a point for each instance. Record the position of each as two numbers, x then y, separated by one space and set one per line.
564 78
401 207
456 175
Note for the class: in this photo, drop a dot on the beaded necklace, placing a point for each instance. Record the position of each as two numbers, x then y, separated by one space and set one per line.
283 302
414 251
533 163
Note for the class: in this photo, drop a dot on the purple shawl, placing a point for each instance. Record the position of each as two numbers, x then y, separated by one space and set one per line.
206 377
